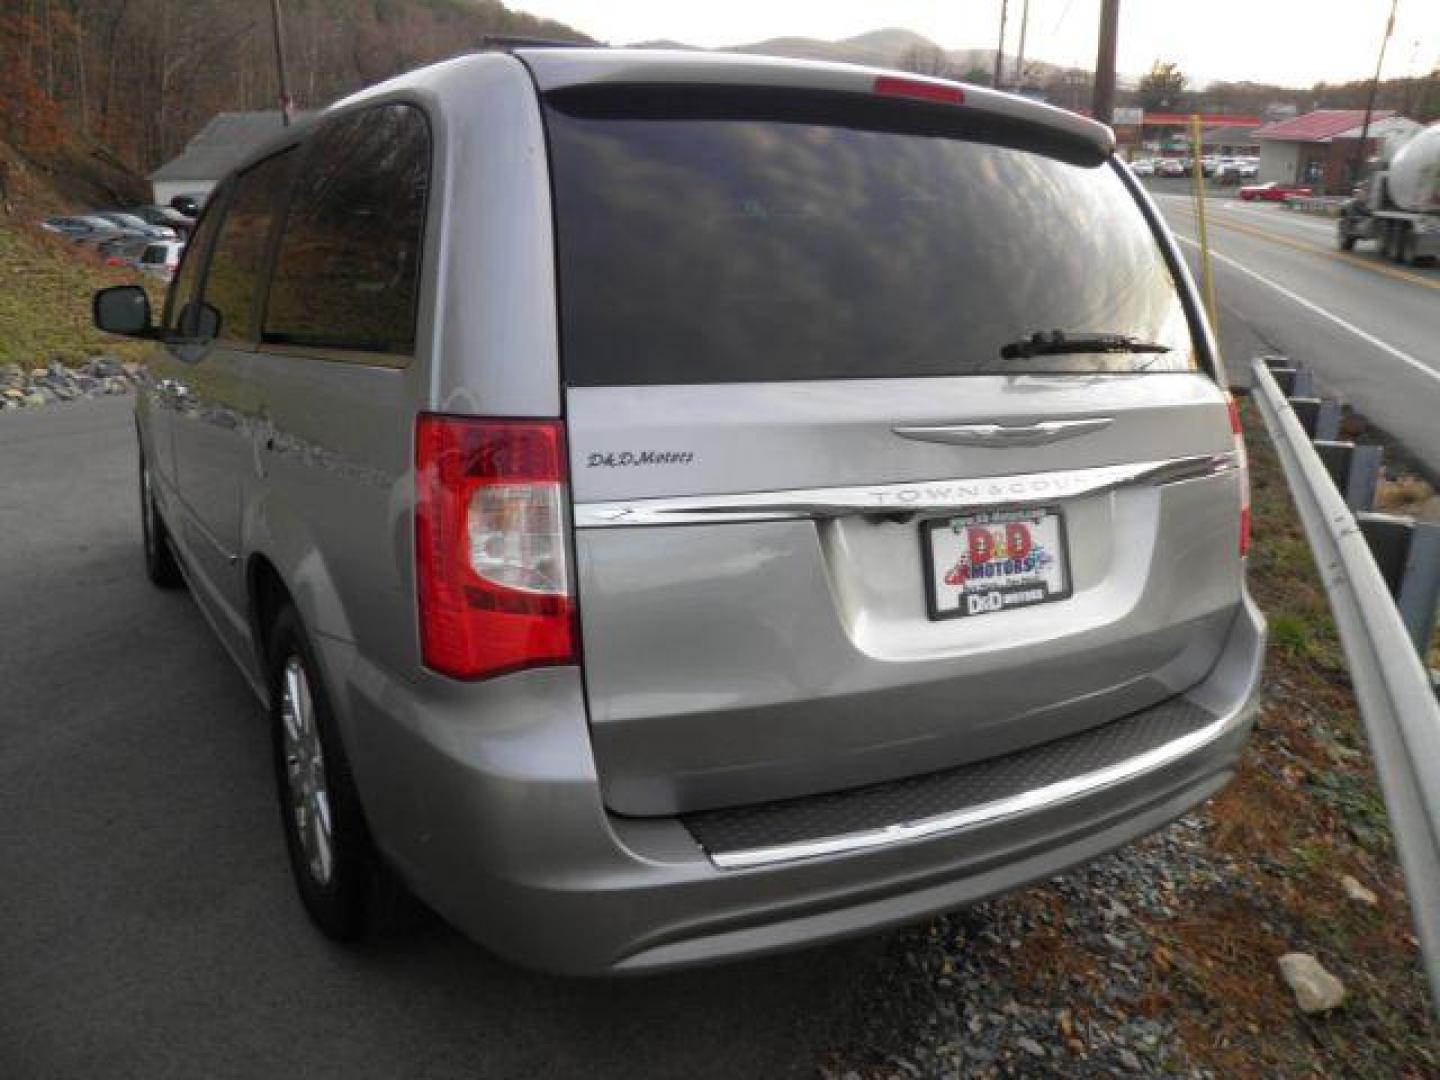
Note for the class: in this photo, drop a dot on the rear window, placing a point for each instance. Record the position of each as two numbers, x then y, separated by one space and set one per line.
756 243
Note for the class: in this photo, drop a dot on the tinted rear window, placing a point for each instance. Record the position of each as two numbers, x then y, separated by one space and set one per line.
764 246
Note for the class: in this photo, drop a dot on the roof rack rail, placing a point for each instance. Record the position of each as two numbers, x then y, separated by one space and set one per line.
507 42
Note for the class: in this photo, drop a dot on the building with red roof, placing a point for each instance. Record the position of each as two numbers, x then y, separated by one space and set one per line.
1322 148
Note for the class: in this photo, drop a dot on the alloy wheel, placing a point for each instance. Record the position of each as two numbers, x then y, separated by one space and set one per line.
305 772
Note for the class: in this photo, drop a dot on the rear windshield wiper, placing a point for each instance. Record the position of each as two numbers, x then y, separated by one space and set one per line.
1057 343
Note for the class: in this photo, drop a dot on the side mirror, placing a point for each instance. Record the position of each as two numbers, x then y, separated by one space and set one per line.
200 321
123 309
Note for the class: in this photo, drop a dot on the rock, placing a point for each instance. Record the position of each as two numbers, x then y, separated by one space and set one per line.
33 399
1357 892
1316 990
1130 1060
1030 1046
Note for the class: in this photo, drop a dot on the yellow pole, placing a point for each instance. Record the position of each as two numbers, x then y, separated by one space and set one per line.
1197 174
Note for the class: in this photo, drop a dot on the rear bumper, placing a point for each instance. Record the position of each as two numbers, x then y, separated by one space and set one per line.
486 800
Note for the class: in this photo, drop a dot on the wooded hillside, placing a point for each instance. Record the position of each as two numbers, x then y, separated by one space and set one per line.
139 77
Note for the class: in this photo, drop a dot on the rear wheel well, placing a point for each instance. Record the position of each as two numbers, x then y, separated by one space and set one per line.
268 596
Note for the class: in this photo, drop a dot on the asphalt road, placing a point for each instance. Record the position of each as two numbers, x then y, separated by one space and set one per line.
1369 328
147 923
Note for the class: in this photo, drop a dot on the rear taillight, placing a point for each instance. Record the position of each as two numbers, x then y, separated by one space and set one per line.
492 574
1238 433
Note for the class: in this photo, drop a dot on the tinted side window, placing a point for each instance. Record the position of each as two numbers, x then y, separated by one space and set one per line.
348 268
232 281
182 291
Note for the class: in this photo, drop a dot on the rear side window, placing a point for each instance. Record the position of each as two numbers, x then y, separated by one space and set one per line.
233 278
178 306
748 243
347 273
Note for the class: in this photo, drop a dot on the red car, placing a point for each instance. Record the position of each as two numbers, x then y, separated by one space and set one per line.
1272 192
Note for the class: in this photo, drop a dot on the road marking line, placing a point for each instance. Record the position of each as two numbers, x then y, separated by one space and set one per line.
1299 221
1354 260
1363 335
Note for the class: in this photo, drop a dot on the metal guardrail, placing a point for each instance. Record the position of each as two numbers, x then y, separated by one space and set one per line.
1397 701
1328 205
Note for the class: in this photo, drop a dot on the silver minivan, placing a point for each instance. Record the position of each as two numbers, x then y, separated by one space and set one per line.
677 506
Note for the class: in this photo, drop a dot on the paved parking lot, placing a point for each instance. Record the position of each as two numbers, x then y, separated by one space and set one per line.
147 922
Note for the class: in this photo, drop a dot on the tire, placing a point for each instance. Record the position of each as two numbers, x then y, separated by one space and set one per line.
1405 247
1347 238
343 883
1388 246
160 565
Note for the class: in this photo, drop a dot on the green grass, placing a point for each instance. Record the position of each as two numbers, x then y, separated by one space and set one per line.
45 287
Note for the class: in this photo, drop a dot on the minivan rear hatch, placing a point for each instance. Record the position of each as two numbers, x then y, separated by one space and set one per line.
847 507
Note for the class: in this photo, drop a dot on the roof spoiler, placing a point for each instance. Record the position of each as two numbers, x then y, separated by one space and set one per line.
511 42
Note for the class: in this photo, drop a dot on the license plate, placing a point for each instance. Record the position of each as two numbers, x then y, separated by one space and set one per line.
999 560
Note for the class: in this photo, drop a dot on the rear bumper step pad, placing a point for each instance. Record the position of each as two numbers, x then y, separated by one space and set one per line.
952 799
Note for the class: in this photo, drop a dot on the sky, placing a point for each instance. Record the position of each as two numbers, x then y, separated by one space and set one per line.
1289 42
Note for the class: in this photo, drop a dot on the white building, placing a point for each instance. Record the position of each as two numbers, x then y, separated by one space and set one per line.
214 151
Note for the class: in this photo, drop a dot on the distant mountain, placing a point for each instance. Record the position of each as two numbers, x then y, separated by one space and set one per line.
889 47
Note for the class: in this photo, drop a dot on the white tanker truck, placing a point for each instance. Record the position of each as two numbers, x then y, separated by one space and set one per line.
1399 203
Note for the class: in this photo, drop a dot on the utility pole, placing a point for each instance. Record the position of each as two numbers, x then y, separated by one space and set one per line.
1102 105
1000 49
286 104
1020 59
1358 166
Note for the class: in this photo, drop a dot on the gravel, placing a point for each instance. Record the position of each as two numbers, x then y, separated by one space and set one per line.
29 388
964 996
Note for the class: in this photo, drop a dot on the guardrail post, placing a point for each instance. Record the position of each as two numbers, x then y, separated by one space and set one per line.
1285 379
1420 586
1327 424
1408 554
1307 409
1336 458
1389 538
1363 482
1355 470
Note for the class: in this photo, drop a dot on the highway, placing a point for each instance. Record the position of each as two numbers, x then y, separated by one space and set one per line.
1369 328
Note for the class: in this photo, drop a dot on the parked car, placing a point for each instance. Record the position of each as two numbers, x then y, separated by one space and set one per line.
164 215
83 228
122 250
892 596
1143 167
136 225
1173 167
189 205
1273 192
161 258
1249 168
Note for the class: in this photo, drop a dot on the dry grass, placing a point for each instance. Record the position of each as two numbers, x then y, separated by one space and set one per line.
45 299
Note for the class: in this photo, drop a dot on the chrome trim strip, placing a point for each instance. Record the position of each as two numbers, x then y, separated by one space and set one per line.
1004 435
1076 787
928 496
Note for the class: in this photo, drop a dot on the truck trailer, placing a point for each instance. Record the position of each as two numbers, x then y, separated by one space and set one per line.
1398 205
